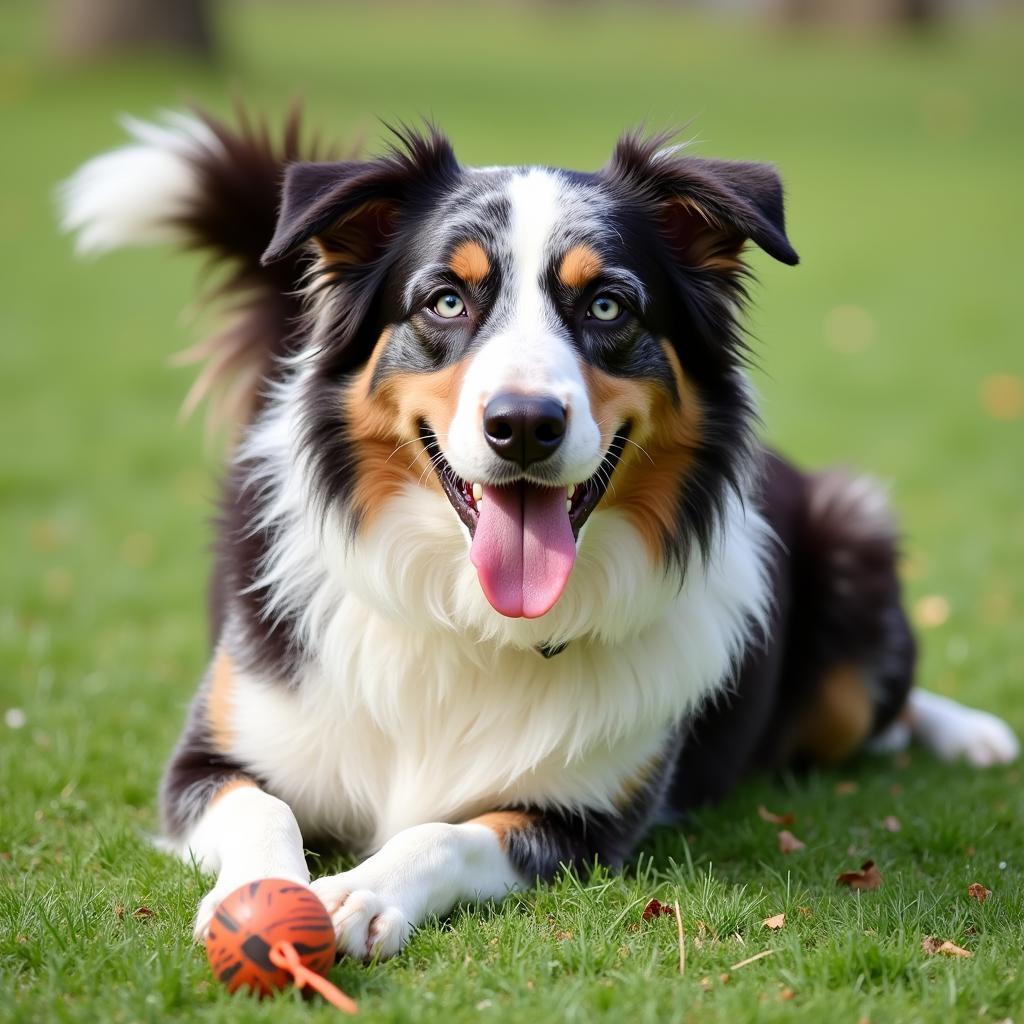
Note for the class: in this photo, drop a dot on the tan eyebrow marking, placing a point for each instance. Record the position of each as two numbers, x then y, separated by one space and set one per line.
580 265
470 262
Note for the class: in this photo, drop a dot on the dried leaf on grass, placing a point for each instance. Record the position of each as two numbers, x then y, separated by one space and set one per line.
978 892
866 877
655 908
774 819
942 947
788 843
774 923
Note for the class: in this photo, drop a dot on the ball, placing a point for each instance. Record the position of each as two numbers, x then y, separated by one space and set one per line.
256 916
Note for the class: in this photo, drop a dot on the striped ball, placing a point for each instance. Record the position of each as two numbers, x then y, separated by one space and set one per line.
255 916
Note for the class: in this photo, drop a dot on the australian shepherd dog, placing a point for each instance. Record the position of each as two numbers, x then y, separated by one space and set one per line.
503 575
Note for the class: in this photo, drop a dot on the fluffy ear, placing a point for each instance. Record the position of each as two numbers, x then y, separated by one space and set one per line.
352 208
707 209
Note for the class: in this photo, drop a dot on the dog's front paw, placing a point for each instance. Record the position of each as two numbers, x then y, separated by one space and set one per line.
225 887
207 908
367 922
982 739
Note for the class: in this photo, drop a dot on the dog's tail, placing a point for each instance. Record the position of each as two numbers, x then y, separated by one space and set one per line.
192 181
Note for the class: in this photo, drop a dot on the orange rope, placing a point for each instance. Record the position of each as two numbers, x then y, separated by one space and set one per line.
285 956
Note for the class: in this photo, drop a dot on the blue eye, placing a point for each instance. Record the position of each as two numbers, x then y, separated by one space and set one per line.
449 306
604 307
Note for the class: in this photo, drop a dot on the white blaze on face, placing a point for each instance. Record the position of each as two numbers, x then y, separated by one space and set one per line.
523 547
530 353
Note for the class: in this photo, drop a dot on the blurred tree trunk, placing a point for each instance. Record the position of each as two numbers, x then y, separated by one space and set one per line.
865 13
95 28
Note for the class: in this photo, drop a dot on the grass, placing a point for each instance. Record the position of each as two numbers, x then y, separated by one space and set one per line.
903 160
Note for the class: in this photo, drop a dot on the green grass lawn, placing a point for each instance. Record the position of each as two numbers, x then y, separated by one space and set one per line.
895 346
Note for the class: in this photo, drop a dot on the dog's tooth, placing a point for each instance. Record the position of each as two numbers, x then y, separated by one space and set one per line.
478 492
572 490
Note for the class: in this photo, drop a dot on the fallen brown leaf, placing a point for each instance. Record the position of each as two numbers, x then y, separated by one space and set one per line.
891 823
866 877
786 994
119 912
933 946
774 923
145 912
978 892
788 843
655 908
774 819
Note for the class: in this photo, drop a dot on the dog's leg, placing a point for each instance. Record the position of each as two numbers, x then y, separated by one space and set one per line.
951 731
243 834
215 814
421 871
428 869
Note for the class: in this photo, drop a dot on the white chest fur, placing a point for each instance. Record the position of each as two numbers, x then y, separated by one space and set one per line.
397 724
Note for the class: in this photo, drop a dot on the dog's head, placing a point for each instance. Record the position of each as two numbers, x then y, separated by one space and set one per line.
532 347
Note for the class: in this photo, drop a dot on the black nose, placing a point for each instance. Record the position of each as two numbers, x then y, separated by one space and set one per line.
524 429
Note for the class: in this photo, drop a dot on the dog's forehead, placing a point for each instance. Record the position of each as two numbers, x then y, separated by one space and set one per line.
515 210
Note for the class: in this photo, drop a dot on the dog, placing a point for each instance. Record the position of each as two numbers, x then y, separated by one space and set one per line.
503 575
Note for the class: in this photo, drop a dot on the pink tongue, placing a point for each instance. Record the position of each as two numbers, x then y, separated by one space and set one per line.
523 548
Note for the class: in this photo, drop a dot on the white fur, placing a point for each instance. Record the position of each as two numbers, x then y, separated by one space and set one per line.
529 351
244 835
422 871
954 732
131 195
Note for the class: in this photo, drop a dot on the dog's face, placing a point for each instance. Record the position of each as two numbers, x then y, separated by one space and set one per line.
533 346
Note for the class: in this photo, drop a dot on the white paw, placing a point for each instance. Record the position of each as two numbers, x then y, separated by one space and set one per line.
207 908
225 887
367 923
981 739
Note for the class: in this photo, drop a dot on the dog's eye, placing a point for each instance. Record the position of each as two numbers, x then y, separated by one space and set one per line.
449 306
604 307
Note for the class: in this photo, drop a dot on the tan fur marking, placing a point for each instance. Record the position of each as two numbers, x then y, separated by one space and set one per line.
230 787
470 262
839 720
384 428
647 483
218 702
580 265
633 786
501 823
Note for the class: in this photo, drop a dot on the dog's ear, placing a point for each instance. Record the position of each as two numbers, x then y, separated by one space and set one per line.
706 209
351 209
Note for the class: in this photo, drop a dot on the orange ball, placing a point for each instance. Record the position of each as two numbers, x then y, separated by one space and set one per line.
250 920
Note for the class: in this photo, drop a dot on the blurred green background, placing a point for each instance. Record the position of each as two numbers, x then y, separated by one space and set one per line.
894 347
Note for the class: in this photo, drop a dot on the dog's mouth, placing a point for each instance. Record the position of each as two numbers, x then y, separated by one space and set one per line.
524 533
